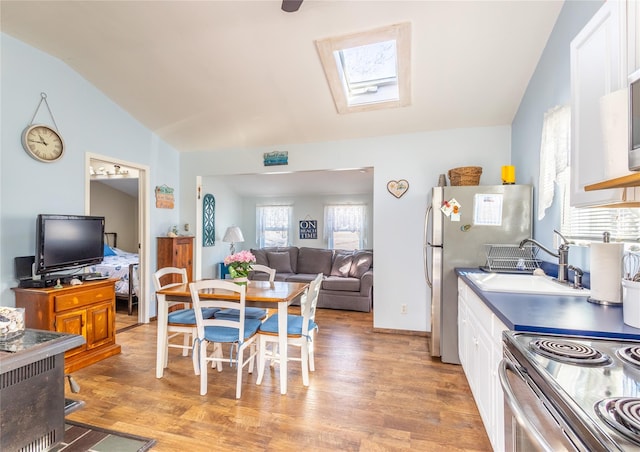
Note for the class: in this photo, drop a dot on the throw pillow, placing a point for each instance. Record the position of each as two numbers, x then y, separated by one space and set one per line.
261 257
341 265
362 261
312 261
108 251
280 261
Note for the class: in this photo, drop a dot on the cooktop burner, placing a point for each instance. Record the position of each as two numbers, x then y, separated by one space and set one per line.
570 352
622 414
630 355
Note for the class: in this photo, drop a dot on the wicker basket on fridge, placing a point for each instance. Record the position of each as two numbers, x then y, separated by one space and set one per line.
465 175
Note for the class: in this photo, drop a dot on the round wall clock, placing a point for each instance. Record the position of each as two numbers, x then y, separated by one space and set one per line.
43 143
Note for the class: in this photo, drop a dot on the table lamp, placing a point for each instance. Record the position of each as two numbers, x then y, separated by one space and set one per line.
233 235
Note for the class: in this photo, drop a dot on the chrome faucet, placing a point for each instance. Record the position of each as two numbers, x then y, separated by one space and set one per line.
577 276
562 255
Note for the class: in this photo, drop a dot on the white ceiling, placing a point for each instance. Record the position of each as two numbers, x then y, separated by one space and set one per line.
208 75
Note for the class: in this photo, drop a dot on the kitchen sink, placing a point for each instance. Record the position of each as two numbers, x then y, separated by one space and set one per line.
532 284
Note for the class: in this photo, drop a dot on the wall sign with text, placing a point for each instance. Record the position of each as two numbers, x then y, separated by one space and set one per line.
164 197
309 229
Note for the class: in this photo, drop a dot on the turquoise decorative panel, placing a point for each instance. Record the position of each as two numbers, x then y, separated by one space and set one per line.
208 220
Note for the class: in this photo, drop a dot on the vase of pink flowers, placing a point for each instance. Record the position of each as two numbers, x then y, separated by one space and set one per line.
239 265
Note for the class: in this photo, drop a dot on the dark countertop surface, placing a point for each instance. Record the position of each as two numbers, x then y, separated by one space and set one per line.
34 345
554 314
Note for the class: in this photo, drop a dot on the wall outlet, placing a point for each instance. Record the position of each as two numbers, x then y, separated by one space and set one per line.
403 309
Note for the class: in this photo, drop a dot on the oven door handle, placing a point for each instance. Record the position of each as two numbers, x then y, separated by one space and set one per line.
516 409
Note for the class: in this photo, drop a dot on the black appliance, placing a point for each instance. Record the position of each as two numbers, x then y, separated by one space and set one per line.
68 241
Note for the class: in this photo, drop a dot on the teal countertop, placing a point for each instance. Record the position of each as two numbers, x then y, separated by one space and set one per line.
566 315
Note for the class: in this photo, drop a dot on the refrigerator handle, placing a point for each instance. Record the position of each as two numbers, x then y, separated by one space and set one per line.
428 217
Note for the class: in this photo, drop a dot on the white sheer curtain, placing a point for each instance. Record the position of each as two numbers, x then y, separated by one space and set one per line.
554 154
274 226
345 218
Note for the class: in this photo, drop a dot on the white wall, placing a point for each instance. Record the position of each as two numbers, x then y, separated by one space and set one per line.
89 123
120 211
304 207
398 223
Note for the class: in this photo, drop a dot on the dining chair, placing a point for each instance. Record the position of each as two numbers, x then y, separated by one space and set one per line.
264 269
301 331
240 332
180 322
251 312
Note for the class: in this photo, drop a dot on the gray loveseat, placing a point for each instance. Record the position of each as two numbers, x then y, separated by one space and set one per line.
348 275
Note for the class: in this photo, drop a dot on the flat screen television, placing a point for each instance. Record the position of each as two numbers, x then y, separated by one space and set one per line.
68 241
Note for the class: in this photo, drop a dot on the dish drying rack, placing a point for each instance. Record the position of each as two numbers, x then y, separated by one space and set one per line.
511 258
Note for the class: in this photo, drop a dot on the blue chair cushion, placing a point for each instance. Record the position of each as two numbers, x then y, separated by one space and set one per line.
188 316
294 325
228 334
249 313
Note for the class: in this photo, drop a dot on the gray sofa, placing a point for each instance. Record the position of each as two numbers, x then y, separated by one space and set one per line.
348 275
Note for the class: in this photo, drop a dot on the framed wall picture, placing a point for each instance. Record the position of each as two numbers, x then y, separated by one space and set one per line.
309 229
164 197
276 158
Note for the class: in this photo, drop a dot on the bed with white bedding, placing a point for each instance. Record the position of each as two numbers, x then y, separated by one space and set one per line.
123 266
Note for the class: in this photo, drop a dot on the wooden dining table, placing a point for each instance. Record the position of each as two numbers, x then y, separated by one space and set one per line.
263 294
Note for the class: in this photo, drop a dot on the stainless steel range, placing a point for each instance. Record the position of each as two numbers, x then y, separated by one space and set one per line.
570 393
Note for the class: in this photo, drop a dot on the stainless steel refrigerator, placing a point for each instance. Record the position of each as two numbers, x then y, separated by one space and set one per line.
460 222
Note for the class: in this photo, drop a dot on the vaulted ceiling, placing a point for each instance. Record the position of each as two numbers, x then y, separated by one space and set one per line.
207 75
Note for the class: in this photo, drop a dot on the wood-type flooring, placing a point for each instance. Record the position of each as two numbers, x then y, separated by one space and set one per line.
371 391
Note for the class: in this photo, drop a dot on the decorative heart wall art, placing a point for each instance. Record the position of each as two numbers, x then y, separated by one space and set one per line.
398 187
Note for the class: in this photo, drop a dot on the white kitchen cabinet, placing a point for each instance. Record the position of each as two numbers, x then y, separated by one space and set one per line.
633 36
480 348
601 56
595 72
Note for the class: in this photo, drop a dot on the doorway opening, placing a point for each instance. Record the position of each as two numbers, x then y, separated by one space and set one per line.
118 190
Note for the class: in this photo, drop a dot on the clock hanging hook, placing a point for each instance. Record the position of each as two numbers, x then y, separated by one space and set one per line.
43 97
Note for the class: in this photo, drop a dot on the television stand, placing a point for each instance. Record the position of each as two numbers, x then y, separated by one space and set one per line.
88 310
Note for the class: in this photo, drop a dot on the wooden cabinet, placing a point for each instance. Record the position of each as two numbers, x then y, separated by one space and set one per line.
176 252
480 348
87 310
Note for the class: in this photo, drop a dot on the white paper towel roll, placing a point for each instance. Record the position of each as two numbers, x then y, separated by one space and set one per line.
606 272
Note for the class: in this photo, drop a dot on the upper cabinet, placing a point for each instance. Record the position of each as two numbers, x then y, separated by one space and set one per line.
633 36
601 60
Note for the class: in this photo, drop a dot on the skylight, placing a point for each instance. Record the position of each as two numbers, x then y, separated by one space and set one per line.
369 70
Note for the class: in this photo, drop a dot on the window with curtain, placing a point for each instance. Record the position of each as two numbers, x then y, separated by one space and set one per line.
274 225
345 226
579 224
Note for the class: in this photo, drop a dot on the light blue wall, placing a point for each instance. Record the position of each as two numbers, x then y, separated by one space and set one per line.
549 86
89 122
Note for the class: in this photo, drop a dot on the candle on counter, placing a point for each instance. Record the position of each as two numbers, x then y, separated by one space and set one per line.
508 175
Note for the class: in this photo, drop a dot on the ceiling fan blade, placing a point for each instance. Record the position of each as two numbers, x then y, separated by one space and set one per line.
291 6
